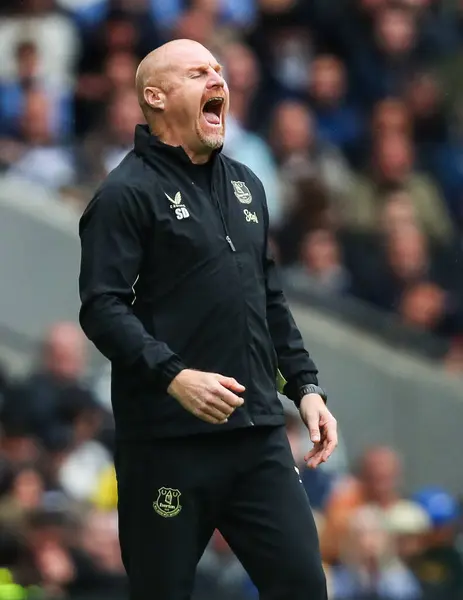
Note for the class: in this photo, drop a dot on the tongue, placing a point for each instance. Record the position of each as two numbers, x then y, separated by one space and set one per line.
212 118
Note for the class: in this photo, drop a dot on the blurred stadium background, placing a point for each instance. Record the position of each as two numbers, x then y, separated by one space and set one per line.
351 112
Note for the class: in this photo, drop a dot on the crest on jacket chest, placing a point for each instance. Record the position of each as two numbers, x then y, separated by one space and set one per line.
242 192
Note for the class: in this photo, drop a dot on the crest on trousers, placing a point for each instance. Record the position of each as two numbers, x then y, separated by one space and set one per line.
167 503
242 192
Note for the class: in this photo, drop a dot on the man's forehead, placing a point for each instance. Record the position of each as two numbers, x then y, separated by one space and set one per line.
192 57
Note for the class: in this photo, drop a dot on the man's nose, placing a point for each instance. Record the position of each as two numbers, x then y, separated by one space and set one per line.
215 80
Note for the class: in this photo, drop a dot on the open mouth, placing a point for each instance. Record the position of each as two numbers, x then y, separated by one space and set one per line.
212 110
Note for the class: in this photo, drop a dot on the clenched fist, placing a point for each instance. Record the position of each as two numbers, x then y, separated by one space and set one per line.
208 396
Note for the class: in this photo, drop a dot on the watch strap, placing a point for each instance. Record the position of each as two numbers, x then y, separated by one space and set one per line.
311 388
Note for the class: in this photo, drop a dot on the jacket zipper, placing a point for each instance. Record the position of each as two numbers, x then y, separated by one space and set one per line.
222 218
232 248
231 244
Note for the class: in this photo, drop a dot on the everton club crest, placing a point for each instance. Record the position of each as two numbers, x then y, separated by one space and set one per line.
168 502
242 192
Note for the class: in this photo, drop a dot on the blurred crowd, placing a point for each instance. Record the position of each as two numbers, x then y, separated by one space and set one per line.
58 502
349 111
58 521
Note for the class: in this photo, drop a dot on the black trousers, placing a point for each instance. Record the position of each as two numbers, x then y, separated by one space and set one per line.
173 493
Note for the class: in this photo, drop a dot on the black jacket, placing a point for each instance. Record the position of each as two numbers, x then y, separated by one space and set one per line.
175 273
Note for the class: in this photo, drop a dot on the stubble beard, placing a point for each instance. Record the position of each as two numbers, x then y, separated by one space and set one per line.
213 141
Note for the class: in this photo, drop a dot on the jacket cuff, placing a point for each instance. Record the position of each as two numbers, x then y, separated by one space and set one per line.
291 389
169 370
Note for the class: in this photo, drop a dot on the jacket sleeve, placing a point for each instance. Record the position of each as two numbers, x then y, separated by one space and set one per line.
112 232
295 366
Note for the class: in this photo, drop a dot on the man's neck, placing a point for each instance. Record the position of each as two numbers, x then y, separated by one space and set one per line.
172 139
197 158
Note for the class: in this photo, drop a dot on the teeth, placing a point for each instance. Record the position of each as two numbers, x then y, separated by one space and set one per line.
218 99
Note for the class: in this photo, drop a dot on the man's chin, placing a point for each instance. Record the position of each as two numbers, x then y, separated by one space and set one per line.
212 137
213 142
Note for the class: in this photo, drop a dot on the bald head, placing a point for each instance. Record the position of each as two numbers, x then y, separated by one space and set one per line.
64 350
156 69
183 96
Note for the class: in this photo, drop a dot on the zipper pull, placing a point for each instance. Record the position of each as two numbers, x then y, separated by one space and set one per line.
232 246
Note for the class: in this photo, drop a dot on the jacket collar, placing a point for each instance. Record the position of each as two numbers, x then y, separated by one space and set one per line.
148 145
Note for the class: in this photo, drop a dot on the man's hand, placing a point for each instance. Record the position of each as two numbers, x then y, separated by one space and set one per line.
208 396
322 428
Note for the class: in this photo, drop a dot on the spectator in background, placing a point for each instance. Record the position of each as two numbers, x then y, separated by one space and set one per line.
310 209
37 156
119 71
107 145
409 524
370 567
406 257
422 282
15 562
302 155
423 306
250 101
53 568
398 214
28 76
383 68
354 25
100 543
390 116
440 567
377 483
52 33
321 264
23 496
285 44
438 26
45 403
239 13
424 98
196 24
17 444
120 34
95 91
393 166
60 562
122 117
84 459
337 121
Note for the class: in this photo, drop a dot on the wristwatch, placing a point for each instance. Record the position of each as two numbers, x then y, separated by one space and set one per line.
311 388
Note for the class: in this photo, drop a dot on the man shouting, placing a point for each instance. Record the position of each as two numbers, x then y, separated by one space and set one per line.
180 293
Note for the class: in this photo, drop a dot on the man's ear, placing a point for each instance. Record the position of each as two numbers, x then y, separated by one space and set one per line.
154 98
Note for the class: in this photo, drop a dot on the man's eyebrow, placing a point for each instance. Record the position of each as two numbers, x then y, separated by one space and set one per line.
205 66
